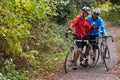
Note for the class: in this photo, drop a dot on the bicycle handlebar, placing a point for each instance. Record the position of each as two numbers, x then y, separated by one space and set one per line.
111 38
71 33
105 37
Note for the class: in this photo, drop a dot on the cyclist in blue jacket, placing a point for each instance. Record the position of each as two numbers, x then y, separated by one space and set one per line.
97 24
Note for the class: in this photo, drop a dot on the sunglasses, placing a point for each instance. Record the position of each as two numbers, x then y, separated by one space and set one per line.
96 14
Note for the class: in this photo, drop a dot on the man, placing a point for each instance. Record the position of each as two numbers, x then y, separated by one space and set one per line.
97 25
82 27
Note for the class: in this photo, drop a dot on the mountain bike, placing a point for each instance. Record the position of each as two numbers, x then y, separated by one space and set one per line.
69 59
105 52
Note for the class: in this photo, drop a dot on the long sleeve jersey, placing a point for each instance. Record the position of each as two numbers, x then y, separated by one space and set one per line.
82 27
99 26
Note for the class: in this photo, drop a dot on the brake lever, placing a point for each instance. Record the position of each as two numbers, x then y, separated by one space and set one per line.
112 39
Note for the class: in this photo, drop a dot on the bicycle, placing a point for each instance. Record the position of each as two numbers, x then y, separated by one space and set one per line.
104 50
71 52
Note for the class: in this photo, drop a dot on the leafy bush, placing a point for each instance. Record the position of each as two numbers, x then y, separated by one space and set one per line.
110 12
64 9
8 72
26 33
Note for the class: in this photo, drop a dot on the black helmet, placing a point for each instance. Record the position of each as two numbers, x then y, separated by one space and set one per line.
86 9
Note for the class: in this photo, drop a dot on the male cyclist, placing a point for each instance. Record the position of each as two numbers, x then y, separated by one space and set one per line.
97 25
82 27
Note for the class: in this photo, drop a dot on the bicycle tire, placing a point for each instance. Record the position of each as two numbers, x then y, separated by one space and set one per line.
107 58
102 51
69 59
105 55
96 58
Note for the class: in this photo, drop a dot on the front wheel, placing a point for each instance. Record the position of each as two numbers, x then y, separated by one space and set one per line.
107 59
102 51
69 59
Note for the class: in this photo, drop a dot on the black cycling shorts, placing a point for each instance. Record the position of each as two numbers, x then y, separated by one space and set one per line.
80 44
93 37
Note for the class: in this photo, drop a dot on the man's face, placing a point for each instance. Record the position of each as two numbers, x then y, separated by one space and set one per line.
85 14
95 15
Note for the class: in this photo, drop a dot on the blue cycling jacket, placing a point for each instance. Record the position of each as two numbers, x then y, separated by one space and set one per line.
99 26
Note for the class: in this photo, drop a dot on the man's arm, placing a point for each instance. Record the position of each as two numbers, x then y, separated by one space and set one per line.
73 23
103 27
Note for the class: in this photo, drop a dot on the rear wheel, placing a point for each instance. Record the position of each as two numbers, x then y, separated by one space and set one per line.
69 59
93 57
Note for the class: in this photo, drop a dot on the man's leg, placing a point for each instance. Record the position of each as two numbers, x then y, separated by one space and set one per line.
95 47
93 54
77 53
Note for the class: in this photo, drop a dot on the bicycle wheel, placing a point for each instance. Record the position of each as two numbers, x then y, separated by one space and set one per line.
93 57
69 59
107 58
102 51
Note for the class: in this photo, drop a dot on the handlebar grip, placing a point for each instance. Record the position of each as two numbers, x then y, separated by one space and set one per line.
66 35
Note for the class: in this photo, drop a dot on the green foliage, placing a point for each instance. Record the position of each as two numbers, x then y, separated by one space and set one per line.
27 32
81 3
64 9
15 21
13 26
117 2
9 73
110 12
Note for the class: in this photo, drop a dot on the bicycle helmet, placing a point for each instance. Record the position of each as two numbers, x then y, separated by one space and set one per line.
86 9
96 12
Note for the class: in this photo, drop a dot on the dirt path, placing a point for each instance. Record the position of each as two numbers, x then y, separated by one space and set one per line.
98 72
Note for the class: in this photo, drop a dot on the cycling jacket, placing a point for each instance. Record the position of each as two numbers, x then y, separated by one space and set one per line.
99 25
82 26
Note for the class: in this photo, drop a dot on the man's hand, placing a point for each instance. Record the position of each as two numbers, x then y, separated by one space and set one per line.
105 37
68 31
92 25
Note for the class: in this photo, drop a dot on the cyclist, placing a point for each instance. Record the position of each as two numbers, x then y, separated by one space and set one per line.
82 27
97 25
